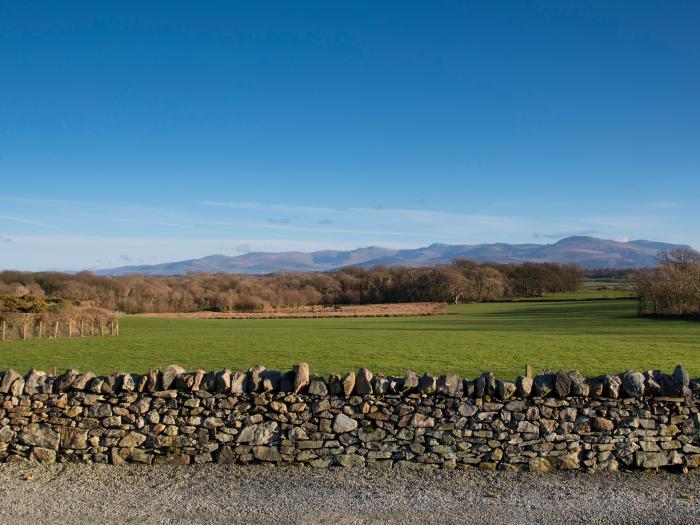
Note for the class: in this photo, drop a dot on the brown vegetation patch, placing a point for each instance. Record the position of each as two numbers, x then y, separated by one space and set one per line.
319 311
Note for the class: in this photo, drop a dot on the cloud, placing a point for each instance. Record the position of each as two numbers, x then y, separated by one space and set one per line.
243 248
3 238
563 235
266 207
325 221
31 223
131 260
279 221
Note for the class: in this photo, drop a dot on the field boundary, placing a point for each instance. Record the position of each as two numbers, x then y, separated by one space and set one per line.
317 312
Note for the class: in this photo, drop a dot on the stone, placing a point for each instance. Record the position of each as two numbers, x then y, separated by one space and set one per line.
596 386
260 434
208 383
223 381
335 385
562 385
669 387
43 455
651 385
380 385
168 377
600 424
8 378
567 462
348 384
633 384
526 427
185 381
34 382
297 434
427 385
467 409
681 376
271 380
541 466
317 387
411 382
343 423
350 460
238 383
450 385
6 434
254 379
506 389
132 440
485 385
172 459
301 377
81 382
17 388
225 456
198 378
40 435
74 438
363 382
127 383
267 454
613 385
524 385
656 459
66 380
543 385
579 385
422 421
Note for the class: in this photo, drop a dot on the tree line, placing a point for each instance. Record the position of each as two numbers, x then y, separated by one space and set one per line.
462 281
673 287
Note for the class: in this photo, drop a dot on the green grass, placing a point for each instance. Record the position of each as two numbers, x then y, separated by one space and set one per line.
582 295
593 336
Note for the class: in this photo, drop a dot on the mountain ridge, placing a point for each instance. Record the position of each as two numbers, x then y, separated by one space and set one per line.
589 252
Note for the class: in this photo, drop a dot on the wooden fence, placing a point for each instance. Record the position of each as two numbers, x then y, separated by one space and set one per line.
17 326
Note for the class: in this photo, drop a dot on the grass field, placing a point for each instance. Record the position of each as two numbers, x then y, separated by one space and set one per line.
594 336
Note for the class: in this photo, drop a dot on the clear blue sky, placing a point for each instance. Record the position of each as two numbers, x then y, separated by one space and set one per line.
141 132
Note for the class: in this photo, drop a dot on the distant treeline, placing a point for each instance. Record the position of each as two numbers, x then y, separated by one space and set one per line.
673 287
462 281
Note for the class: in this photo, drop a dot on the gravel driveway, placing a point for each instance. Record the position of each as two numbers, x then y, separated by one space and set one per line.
258 494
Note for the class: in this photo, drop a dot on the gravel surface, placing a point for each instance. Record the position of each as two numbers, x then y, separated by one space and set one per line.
258 494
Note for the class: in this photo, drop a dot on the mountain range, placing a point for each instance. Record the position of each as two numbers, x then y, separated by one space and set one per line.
589 252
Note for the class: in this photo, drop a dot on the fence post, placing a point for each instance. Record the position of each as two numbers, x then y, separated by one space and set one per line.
70 328
4 329
52 370
55 331
529 371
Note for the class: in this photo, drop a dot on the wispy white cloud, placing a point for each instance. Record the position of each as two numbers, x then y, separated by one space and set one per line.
267 207
21 220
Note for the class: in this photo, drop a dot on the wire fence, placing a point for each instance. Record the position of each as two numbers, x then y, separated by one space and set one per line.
26 326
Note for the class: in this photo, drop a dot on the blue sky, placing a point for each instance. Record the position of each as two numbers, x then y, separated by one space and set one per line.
142 132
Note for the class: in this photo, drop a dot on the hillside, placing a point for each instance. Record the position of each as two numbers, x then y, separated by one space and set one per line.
588 252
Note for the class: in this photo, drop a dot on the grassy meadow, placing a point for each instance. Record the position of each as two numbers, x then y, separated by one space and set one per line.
594 336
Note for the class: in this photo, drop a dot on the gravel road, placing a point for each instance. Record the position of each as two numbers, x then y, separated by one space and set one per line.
259 494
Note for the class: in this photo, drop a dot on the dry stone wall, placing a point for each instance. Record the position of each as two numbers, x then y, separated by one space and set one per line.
543 423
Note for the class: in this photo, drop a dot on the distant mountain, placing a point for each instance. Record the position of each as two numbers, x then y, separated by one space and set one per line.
589 252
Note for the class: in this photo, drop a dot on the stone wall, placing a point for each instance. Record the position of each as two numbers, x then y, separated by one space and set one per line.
549 422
